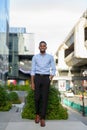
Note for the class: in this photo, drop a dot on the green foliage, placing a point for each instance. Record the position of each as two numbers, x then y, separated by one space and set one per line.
7 107
13 97
4 104
29 109
54 111
63 112
12 87
6 99
2 96
53 104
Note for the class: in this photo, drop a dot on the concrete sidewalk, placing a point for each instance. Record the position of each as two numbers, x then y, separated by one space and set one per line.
12 121
50 125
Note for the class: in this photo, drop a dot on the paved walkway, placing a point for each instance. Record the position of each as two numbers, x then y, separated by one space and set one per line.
12 121
51 125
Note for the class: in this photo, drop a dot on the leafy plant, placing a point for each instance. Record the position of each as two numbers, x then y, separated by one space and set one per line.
2 96
12 87
13 97
54 110
5 105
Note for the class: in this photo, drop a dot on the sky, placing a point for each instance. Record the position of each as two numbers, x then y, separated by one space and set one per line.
49 20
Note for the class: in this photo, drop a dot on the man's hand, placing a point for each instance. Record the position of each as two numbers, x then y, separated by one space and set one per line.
32 82
33 86
51 77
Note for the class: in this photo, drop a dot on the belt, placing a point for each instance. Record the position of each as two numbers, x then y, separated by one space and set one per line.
42 74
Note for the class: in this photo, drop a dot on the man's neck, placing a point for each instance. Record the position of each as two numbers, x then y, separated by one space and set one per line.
42 53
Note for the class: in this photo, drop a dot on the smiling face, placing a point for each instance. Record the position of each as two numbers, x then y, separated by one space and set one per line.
42 47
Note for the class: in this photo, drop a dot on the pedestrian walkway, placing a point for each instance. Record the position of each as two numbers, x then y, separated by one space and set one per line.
12 121
50 125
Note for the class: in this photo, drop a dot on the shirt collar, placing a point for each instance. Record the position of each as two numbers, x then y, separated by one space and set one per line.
43 54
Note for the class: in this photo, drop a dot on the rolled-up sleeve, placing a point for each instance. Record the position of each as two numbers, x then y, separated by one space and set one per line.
53 67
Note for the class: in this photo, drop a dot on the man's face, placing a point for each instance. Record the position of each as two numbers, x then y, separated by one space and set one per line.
42 47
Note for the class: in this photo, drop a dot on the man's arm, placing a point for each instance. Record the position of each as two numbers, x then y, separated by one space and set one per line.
32 82
53 66
33 73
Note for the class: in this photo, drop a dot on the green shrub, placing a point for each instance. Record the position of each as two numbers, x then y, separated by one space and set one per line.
7 107
12 87
2 96
4 104
54 111
29 109
63 112
13 97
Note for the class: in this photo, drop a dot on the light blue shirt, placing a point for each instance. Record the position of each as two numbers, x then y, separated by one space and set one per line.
43 64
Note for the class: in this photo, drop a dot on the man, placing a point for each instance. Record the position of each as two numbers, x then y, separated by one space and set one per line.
42 72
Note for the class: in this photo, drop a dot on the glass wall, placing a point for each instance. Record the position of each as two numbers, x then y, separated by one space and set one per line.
4 31
21 49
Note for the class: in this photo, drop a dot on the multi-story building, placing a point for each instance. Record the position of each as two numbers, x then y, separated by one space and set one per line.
21 50
4 31
72 57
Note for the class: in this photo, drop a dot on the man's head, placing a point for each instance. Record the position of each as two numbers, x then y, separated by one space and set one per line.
42 46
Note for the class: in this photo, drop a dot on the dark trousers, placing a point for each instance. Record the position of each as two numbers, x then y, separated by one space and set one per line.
42 84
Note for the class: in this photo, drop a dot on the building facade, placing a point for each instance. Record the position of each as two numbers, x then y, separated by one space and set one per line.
72 57
4 31
21 50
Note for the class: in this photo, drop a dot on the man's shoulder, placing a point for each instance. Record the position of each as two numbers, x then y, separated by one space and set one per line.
49 55
36 55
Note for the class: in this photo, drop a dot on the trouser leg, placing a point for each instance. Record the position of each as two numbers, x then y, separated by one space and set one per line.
44 95
37 95
41 95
